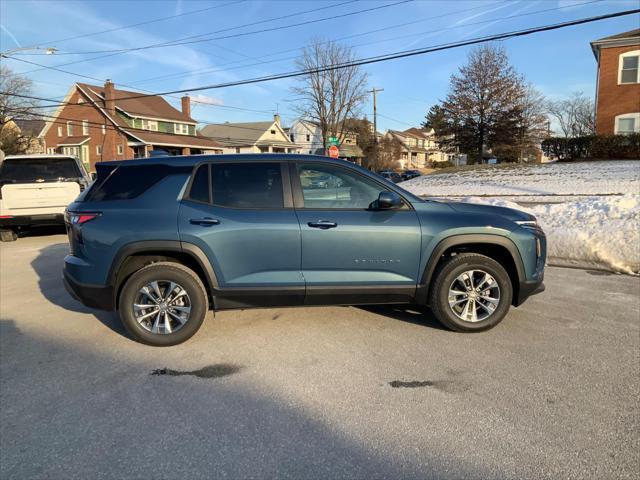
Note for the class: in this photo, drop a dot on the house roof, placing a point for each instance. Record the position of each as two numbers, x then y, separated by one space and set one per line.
246 133
30 128
170 139
138 104
240 134
350 151
632 37
629 34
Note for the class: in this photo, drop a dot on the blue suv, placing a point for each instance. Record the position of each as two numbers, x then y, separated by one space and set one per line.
163 240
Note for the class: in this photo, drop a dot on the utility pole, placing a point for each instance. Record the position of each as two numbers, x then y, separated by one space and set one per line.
374 91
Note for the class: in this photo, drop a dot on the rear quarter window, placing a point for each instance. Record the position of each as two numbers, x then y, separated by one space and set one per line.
126 182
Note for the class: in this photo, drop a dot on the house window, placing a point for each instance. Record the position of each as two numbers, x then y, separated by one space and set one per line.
629 67
150 125
69 129
627 123
181 128
51 150
98 149
120 150
104 129
291 137
59 131
85 127
308 137
273 132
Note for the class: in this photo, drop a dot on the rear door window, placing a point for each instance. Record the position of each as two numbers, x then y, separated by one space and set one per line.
247 185
33 170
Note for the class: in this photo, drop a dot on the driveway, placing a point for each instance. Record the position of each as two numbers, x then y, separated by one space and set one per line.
336 392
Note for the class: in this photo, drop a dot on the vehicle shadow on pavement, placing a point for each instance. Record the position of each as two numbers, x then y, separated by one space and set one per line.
415 314
94 413
48 266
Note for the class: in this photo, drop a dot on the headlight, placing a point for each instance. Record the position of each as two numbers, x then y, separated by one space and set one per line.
531 225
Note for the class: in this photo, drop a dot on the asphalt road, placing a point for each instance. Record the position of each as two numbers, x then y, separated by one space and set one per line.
552 392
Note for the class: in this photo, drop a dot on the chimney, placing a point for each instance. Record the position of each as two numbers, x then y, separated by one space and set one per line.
186 105
276 118
109 98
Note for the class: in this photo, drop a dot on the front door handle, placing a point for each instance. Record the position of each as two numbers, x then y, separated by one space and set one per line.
322 224
204 221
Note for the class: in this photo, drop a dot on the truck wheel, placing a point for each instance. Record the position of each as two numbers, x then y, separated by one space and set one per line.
470 293
163 304
8 236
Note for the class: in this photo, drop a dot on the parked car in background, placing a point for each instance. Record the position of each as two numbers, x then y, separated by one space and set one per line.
36 189
241 231
390 175
409 174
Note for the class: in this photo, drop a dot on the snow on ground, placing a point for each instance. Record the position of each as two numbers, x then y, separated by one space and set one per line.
601 233
580 178
590 211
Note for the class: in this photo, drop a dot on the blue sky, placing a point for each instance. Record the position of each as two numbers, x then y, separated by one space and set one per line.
557 62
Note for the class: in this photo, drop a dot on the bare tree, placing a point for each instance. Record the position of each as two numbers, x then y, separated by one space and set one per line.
532 122
575 115
329 98
14 106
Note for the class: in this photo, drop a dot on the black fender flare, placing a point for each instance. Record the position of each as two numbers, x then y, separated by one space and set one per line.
177 246
473 238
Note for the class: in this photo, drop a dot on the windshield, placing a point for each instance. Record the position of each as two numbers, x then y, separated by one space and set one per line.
29 170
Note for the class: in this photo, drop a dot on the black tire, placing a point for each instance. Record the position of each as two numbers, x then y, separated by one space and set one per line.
447 273
171 272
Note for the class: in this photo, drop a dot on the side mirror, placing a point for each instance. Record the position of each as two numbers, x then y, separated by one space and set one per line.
388 201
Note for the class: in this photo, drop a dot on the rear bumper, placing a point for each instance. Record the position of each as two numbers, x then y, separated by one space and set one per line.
93 296
527 289
32 220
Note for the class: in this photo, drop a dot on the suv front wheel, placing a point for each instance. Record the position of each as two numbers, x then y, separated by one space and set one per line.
163 304
470 293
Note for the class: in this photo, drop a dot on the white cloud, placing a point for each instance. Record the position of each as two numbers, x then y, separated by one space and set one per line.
204 99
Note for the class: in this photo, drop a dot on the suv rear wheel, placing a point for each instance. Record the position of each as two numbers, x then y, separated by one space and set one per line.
163 304
471 293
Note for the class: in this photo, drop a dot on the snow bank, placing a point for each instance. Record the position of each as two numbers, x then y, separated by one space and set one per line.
602 232
580 178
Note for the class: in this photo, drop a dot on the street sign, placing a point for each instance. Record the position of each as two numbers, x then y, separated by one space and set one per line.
333 151
333 141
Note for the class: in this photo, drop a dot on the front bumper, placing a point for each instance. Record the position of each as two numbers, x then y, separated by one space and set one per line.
32 220
527 289
93 296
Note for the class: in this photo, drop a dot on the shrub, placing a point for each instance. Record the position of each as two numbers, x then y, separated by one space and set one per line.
446 164
604 147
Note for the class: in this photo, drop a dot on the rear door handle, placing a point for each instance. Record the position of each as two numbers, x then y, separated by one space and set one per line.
204 221
322 224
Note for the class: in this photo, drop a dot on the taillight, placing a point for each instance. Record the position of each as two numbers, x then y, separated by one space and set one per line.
80 218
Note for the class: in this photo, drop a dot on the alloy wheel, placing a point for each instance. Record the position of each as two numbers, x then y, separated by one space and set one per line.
474 295
162 307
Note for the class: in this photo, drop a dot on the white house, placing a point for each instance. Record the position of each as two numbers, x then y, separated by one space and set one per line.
251 137
308 136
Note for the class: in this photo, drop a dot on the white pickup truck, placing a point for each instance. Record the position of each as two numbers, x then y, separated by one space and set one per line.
36 189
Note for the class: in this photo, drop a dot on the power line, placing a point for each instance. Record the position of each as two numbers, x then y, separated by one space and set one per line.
397 55
93 34
297 49
282 27
216 69
401 54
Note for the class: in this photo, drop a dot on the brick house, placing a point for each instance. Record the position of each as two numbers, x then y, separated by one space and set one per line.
104 123
618 87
